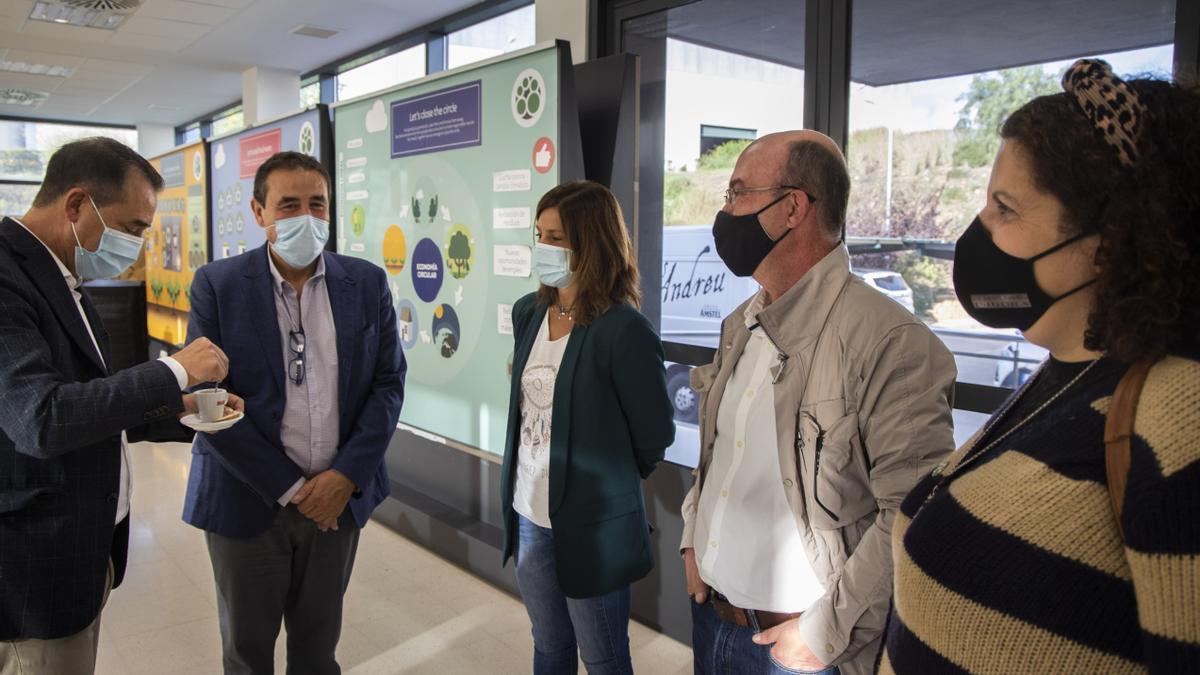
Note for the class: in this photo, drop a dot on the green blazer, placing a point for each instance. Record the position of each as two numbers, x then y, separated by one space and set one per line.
612 421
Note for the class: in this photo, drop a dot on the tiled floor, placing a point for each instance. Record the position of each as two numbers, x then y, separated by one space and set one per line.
407 610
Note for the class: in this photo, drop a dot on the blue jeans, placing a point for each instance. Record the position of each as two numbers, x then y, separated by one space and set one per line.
598 627
720 648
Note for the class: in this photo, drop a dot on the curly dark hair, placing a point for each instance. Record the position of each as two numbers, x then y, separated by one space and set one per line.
1148 290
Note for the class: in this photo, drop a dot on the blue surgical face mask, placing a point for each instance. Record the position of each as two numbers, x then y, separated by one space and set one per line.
117 251
553 265
300 240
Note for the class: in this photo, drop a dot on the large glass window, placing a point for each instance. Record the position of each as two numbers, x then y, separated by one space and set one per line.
310 94
26 146
229 122
924 115
926 101
499 35
190 135
716 74
16 199
382 73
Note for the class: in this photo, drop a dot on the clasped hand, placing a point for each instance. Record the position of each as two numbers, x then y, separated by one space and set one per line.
323 497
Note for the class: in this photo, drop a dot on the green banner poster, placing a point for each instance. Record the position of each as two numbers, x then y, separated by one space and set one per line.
437 182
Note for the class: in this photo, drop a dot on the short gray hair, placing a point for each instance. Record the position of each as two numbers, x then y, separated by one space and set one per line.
812 166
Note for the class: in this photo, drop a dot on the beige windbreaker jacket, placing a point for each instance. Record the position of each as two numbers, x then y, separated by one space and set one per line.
863 410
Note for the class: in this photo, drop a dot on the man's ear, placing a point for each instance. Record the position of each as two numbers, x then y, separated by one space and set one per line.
798 207
73 203
257 210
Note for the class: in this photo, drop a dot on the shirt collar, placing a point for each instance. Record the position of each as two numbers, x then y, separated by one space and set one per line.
750 315
280 282
72 282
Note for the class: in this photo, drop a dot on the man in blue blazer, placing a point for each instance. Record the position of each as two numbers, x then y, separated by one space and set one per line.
65 415
282 494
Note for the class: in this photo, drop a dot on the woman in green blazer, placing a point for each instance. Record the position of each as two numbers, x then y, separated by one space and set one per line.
589 417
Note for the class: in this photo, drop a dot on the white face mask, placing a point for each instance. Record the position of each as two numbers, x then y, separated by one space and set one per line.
553 265
299 240
115 254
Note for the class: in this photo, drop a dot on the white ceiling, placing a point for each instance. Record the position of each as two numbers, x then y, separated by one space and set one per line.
186 57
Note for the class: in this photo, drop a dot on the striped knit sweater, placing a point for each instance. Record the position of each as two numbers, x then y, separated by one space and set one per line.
1016 564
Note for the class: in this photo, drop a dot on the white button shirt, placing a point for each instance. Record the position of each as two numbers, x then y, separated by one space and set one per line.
125 489
748 546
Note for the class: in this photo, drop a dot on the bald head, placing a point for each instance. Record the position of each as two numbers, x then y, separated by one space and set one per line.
809 159
782 141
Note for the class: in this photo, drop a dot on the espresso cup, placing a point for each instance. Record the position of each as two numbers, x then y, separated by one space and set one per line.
212 404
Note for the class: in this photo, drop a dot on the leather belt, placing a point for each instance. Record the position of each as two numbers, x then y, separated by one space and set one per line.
755 619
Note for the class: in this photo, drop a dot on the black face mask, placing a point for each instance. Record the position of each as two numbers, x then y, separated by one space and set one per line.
741 240
1000 290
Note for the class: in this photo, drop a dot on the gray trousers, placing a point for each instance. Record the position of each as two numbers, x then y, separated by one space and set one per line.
291 572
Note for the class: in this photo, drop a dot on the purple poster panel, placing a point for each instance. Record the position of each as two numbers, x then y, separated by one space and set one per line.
437 121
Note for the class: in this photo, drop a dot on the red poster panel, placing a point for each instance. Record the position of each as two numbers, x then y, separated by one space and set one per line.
256 149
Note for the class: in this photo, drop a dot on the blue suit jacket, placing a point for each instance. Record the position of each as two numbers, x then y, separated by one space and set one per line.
238 475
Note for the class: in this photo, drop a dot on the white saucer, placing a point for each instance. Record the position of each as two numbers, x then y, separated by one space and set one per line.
194 422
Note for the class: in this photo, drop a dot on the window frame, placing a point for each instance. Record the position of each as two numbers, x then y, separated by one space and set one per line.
828 43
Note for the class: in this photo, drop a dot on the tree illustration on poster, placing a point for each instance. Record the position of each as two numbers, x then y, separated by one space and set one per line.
176 244
459 252
436 184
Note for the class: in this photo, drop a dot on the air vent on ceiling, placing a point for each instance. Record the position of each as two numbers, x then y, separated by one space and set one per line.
106 14
105 5
163 108
313 31
22 96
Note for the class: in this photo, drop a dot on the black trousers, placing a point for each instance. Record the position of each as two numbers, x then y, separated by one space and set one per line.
291 572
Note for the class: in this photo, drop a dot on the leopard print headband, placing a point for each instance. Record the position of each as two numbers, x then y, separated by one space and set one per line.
1111 104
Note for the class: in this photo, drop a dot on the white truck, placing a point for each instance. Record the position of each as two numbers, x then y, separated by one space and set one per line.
698 291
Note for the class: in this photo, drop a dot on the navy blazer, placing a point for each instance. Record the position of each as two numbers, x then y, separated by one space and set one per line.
238 475
611 423
61 417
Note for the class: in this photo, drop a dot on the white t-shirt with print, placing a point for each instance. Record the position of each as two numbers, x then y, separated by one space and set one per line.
532 495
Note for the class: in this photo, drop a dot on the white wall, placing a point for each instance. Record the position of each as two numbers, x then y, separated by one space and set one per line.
268 93
713 87
154 139
564 20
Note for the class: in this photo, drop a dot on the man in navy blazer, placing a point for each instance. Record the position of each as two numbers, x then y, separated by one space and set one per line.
283 493
65 415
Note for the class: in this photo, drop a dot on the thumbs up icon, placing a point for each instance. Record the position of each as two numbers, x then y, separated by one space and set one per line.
543 155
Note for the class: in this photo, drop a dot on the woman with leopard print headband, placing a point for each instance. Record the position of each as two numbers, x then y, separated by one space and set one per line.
1015 556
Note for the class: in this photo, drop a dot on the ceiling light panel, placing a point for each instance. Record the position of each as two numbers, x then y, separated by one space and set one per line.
35 68
22 97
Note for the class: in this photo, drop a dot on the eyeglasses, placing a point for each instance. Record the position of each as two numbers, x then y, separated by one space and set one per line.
731 194
296 365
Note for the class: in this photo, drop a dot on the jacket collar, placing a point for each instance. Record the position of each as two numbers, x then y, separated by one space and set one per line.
47 273
796 318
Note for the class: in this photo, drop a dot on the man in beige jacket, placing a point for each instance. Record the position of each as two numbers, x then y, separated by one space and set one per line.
824 405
